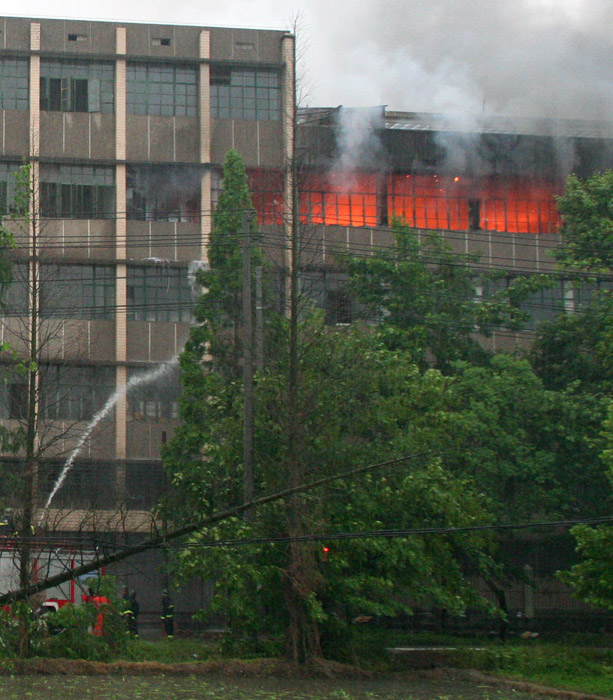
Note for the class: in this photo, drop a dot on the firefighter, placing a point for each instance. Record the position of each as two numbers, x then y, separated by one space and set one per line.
98 601
133 620
168 615
130 611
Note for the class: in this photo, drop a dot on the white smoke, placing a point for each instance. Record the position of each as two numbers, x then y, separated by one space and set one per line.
534 58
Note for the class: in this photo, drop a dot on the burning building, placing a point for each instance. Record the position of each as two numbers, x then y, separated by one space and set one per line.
125 128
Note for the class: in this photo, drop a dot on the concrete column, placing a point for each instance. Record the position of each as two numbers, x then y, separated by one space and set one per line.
205 142
34 90
121 324
288 116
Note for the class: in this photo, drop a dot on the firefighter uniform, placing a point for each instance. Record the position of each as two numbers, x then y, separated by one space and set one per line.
168 615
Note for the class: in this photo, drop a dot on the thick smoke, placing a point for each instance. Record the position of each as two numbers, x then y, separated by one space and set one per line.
358 140
532 58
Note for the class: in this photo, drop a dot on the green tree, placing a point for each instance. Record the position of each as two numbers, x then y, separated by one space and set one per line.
587 231
325 401
576 351
578 346
522 443
426 298
359 402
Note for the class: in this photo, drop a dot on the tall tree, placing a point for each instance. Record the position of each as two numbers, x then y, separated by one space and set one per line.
576 351
325 401
359 402
577 347
425 298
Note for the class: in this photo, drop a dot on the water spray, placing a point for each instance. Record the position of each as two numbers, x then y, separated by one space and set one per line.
149 376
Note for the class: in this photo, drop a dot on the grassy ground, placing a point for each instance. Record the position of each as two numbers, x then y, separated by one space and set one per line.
578 663
197 688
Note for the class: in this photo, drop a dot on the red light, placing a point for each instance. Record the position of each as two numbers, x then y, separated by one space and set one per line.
325 551
456 179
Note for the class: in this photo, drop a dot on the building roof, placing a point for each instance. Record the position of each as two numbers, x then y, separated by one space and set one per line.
467 123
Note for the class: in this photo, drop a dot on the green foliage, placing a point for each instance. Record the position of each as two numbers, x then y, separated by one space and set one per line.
522 443
170 651
587 233
425 296
577 351
219 308
74 639
577 347
359 402
592 579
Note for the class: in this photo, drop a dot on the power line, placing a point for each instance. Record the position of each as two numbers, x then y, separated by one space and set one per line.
10 542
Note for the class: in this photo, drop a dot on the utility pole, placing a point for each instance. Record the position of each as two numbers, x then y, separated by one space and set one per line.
259 320
247 365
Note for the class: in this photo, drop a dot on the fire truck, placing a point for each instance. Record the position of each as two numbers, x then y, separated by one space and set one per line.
47 560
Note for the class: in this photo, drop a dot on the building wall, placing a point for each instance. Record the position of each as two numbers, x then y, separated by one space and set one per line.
117 125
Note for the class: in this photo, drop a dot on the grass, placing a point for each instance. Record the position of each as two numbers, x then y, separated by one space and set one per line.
171 651
198 688
582 663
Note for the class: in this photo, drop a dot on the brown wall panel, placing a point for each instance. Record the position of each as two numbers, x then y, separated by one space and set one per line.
94 37
270 143
138 341
249 45
16 33
102 136
145 438
246 141
139 239
16 138
188 242
184 41
83 239
187 139
163 240
162 139
102 343
221 139
162 341
52 133
137 137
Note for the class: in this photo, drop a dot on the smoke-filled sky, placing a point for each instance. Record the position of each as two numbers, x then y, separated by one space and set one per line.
540 58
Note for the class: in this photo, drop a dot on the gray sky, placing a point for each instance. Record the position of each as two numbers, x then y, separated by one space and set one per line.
536 58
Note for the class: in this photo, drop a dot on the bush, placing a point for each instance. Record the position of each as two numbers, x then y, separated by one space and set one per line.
74 640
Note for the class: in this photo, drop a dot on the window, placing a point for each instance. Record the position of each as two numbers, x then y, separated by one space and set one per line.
159 293
164 193
328 291
17 399
14 83
7 186
76 86
77 192
160 41
162 90
339 307
245 93
542 305
154 401
335 199
78 291
75 393
144 484
87 485
66 393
